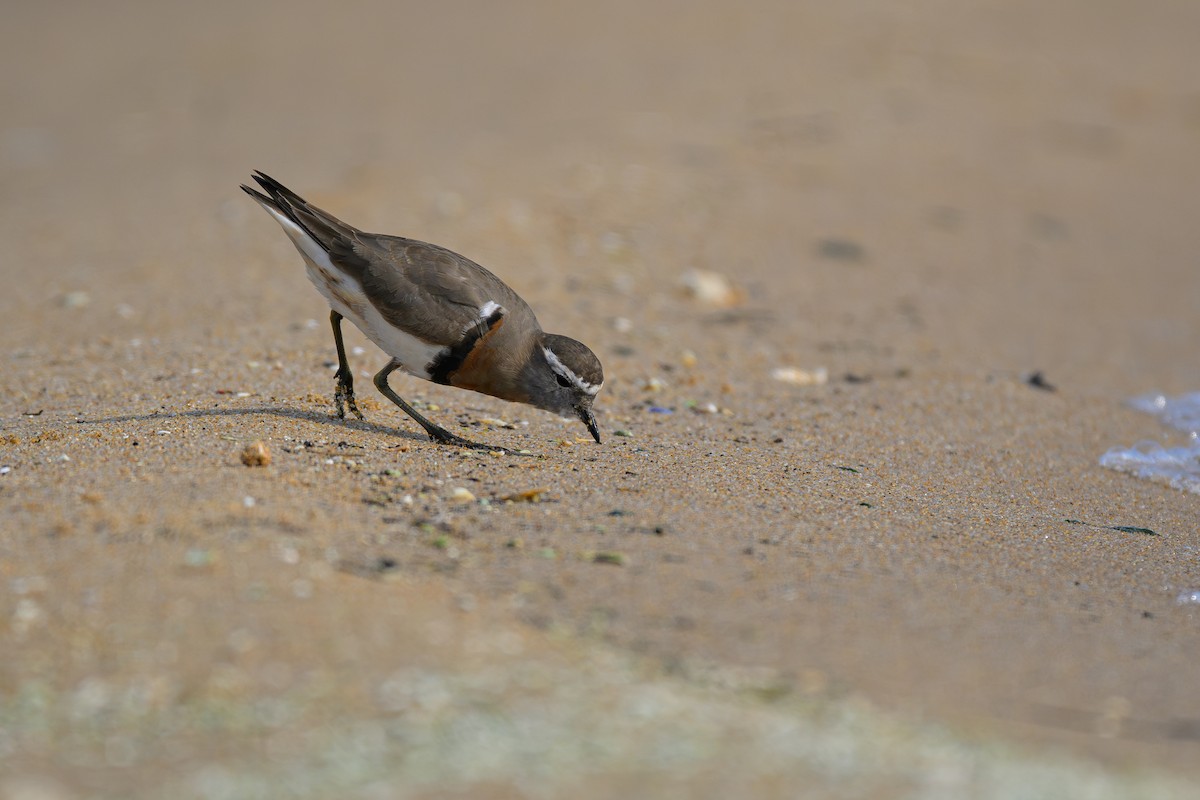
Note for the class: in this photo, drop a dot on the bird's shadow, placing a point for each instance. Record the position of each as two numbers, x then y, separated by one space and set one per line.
278 411
292 413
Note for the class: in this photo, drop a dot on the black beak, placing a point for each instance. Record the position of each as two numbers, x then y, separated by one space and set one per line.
589 419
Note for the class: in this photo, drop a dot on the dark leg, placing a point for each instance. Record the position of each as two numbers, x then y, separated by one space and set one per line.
344 394
437 433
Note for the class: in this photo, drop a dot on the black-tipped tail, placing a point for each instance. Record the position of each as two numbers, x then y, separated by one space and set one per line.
284 197
324 228
260 197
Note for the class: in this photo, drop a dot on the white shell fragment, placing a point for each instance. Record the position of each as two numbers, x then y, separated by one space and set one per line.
801 377
711 288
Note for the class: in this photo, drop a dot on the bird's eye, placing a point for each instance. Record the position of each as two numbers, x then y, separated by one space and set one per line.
563 382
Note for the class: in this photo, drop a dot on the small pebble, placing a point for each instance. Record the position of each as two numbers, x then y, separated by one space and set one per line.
256 455
660 410
461 495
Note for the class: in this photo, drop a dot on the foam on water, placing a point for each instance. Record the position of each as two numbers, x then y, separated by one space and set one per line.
1177 466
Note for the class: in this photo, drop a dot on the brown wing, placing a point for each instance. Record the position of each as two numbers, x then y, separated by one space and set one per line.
423 288
427 290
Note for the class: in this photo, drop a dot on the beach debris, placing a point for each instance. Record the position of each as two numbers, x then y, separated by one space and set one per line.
461 495
622 324
836 249
609 557
496 423
711 288
37 413
653 385
256 454
1118 528
801 377
688 359
660 410
529 496
622 432
1038 381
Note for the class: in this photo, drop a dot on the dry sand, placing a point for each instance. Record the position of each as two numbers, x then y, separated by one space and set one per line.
865 588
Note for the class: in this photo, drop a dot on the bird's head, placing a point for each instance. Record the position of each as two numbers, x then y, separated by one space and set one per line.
565 378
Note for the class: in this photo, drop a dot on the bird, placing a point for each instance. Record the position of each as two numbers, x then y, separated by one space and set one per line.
438 315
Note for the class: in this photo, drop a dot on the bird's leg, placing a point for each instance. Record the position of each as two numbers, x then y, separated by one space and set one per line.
344 394
436 432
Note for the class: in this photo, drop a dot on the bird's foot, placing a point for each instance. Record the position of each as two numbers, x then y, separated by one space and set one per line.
443 436
344 396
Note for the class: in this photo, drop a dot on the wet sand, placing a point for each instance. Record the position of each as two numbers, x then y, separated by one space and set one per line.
866 586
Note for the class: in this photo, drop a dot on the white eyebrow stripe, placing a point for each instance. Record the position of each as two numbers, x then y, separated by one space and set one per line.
558 366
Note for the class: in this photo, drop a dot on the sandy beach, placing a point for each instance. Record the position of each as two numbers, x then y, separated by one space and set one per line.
872 287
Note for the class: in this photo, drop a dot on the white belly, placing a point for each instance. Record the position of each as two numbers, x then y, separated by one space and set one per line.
346 297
